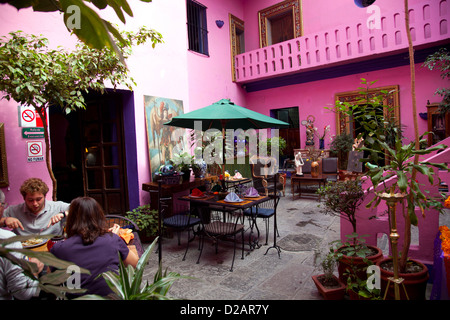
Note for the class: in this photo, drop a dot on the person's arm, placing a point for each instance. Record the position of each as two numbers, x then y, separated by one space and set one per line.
12 223
132 259
63 213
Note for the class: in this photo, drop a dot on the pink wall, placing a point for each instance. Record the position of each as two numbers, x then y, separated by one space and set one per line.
316 15
313 97
210 77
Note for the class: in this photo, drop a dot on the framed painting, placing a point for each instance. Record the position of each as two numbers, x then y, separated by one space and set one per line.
163 141
4 181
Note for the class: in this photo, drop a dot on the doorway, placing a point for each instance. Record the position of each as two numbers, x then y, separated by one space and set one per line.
88 157
290 134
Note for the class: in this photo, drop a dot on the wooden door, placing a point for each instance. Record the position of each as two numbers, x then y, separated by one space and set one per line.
104 173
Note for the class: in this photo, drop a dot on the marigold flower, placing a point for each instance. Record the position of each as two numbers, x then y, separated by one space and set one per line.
447 202
445 239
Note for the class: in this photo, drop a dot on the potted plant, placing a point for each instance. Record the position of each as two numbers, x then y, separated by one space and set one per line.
342 198
400 168
147 221
183 162
329 286
341 145
326 129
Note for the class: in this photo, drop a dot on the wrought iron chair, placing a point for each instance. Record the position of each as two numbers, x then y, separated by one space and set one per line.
127 223
179 221
263 169
220 225
265 211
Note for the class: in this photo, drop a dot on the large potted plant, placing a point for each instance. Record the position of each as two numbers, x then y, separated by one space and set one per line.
342 198
147 221
400 168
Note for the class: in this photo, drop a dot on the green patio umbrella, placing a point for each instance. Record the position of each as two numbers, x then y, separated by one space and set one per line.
223 115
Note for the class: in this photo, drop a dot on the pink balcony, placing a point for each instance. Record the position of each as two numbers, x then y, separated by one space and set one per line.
347 43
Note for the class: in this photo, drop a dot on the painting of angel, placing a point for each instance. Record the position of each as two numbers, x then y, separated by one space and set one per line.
163 141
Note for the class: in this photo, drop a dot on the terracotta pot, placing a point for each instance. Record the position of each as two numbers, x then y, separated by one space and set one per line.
415 283
347 263
329 293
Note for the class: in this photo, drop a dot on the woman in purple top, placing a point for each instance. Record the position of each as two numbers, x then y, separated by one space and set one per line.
92 246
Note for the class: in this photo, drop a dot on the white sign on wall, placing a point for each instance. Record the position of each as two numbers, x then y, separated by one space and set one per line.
35 151
28 117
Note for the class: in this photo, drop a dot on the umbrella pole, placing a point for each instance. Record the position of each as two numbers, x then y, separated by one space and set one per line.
223 122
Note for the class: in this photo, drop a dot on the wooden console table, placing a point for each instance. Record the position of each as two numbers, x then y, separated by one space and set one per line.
307 178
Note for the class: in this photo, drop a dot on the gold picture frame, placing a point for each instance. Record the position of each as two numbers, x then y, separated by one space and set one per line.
343 121
4 181
273 11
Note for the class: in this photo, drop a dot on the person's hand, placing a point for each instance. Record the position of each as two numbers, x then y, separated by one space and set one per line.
55 219
13 223
39 264
115 229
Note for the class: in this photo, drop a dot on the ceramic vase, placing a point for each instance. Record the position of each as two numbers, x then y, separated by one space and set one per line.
314 169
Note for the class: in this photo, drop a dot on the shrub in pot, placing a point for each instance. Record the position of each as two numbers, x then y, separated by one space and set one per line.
355 256
328 285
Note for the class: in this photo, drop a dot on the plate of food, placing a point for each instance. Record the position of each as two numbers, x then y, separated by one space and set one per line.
33 243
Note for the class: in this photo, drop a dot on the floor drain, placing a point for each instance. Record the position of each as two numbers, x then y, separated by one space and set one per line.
299 242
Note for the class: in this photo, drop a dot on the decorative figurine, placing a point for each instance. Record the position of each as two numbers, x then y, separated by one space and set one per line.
299 163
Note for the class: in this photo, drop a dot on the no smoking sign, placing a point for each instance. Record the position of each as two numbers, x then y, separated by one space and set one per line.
35 151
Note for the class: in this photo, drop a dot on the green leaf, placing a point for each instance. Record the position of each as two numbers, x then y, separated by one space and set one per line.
402 181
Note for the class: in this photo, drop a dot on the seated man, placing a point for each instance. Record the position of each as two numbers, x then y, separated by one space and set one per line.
14 284
36 214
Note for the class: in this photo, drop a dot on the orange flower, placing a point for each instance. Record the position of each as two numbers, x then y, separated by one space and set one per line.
445 239
447 202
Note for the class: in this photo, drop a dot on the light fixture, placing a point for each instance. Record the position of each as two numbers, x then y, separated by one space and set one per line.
364 3
219 23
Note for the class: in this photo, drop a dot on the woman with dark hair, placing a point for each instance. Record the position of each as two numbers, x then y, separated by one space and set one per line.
92 246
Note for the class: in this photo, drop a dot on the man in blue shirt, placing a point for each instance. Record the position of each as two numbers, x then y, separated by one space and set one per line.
36 215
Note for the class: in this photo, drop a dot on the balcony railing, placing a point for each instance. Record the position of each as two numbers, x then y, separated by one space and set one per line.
429 23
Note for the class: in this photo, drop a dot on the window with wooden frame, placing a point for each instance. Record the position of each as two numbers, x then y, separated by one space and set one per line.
280 22
237 42
197 27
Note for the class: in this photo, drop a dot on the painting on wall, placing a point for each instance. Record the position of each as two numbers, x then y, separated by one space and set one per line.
163 141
